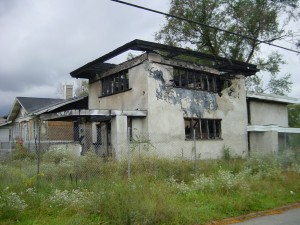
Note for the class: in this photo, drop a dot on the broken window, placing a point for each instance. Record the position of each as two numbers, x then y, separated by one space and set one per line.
115 83
199 80
204 128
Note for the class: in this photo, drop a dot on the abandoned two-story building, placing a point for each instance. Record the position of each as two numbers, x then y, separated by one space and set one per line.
176 102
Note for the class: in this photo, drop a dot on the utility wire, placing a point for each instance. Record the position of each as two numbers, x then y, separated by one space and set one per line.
205 25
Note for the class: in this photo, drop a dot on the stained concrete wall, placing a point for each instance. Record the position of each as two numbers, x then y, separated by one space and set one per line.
167 107
263 142
134 99
266 113
152 90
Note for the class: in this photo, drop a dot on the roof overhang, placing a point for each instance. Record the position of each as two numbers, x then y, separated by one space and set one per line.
14 110
266 128
58 105
220 63
92 113
273 98
5 123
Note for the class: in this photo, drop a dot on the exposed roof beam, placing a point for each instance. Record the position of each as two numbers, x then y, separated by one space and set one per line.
146 46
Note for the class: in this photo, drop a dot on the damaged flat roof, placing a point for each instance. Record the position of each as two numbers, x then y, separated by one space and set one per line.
222 64
101 114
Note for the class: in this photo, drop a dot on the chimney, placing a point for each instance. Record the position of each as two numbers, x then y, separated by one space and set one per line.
68 91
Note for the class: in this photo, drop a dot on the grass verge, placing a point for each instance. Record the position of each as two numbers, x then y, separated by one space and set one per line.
88 190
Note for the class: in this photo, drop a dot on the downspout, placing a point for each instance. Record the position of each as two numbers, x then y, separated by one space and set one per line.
248 123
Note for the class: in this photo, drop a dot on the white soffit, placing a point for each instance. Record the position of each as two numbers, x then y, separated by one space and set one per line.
257 128
273 98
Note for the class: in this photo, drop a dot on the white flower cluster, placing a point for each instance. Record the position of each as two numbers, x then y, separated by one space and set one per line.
228 181
11 201
182 186
204 183
30 191
70 198
222 181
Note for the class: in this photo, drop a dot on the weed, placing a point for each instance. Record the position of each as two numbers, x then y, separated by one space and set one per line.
226 152
89 190
11 204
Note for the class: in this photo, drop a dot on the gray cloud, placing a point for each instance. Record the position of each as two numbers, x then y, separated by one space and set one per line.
41 42
44 41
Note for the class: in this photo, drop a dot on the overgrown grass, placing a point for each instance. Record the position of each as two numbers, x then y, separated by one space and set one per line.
90 190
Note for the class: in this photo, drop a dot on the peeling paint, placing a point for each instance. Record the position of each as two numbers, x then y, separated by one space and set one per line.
192 102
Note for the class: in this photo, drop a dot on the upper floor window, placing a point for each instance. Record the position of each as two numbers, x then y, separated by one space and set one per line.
204 128
195 79
115 83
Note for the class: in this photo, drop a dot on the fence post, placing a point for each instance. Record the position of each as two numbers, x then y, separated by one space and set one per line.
129 153
195 152
37 140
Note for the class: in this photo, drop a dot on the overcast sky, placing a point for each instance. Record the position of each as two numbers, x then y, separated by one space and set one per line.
42 41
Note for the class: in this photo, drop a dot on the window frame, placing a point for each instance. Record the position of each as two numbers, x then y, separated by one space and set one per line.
115 83
207 81
206 129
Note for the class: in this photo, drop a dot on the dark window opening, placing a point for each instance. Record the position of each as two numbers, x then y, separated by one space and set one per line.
204 128
199 80
115 83
129 125
76 131
99 134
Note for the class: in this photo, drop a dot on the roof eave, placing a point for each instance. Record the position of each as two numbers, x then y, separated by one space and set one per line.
273 98
57 105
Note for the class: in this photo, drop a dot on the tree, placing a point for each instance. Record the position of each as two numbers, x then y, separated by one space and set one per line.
294 115
278 86
257 19
82 88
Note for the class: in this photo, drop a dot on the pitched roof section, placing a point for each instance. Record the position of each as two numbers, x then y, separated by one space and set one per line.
225 65
37 106
66 104
33 104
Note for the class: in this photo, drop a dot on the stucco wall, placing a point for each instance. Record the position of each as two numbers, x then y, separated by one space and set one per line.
263 142
163 128
266 113
133 99
167 107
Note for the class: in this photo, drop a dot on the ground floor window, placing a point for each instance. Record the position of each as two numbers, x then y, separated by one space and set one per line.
204 128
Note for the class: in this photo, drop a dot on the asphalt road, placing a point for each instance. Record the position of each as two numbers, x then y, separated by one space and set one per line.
288 217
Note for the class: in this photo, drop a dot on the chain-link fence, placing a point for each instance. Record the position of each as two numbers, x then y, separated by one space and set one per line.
62 147
288 141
